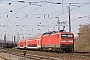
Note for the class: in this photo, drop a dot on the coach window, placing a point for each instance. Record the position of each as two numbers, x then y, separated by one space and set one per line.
29 45
34 45
21 45
57 35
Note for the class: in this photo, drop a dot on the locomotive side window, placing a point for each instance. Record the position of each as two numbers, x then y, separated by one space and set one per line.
57 36
29 45
66 35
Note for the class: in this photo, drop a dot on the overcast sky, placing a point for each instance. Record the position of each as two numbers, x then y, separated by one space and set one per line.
33 17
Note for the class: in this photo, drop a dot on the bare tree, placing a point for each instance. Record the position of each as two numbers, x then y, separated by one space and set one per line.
83 38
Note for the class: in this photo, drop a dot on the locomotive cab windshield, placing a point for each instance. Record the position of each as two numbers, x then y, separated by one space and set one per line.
66 35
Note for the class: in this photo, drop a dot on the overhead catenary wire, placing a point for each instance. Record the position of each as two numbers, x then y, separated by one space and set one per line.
82 5
71 10
31 12
17 11
27 16
23 18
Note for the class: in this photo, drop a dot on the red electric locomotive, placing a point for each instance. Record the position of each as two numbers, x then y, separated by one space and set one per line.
52 41
58 41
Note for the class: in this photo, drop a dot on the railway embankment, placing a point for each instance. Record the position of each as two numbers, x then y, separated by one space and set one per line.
17 54
7 56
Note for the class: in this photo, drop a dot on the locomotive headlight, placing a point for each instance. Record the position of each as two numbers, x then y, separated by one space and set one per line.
70 40
63 41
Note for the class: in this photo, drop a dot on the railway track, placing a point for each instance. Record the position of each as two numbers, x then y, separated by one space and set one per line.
38 55
2 58
30 56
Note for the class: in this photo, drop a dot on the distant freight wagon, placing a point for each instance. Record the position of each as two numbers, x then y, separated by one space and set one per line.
50 41
7 44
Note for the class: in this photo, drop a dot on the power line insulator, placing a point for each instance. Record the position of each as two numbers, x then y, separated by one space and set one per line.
9 3
10 10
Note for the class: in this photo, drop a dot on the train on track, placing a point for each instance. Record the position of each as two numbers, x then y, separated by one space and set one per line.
7 44
50 41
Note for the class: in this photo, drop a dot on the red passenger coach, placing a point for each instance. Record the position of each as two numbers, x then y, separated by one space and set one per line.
23 43
34 43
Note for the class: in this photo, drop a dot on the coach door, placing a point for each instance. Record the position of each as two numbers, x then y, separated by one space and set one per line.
38 43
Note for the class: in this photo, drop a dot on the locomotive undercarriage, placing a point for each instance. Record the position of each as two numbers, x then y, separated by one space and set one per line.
58 48
67 48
